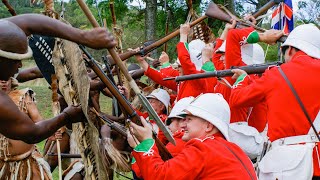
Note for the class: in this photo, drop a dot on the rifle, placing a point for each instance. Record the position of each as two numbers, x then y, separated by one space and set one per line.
115 105
132 83
214 11
65 155
156 44
127 108
251 69
266 7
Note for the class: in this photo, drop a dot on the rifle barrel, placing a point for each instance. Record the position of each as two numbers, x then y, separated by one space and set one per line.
264 8
251 69
65 155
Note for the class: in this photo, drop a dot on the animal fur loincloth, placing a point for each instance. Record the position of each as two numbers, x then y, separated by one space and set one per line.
26 166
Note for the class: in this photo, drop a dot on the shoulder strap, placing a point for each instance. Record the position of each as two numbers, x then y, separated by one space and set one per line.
245 167
299 101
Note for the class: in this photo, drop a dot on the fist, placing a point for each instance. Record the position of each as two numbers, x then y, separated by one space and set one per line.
250 18
156 63
74 114
184 29
271 36
99 38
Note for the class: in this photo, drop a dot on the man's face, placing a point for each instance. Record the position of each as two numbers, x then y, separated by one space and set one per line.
194 127
157 105
163 57
175 125
8 68
222 58
5 86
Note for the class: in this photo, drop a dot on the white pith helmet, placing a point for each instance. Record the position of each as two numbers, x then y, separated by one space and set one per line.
178 108
252 54
195 51
161 95
306 38
213 108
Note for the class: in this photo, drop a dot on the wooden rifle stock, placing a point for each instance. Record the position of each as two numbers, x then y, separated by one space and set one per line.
251 69
164 153
214 11
156 44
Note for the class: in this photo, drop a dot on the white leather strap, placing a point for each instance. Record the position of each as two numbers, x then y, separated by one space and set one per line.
295 140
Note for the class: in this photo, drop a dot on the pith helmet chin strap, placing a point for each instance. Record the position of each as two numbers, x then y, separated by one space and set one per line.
16 56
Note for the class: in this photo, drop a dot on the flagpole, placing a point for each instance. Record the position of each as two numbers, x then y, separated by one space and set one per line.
280 57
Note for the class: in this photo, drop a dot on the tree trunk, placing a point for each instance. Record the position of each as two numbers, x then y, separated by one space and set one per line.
150 21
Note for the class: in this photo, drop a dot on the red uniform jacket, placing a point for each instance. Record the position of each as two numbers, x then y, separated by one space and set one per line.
218 64
235 39
173 149
201 158
167 69
185 88
193 87
285 117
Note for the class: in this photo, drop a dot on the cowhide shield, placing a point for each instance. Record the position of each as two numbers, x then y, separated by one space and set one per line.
74 85
42 47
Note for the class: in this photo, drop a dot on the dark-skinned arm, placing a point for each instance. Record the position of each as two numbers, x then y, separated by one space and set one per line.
29 74
96 38
16 125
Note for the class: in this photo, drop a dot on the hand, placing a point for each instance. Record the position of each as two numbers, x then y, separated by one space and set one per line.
230 26
184 31
74 114
124 91
58 134
99 38
237 73
132 140
135 50
105 131
140 58
141 132
207 53
270 36
250 18
156 63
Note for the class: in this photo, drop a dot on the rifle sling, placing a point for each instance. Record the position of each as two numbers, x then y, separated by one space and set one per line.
245 167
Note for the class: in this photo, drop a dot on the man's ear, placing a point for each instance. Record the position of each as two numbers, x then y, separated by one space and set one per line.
209 127
291 51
